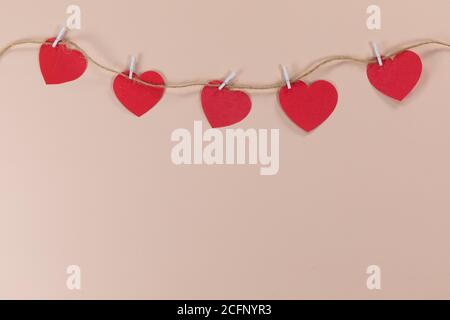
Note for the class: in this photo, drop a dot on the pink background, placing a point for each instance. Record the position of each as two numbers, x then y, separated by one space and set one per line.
84 182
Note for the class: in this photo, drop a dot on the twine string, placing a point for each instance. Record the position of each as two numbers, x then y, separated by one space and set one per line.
318 65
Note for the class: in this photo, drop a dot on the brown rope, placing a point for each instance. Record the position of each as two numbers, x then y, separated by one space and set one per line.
278 85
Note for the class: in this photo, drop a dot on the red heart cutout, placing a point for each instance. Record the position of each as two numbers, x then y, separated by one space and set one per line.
137 97
60 64
308 106
224 107
397 77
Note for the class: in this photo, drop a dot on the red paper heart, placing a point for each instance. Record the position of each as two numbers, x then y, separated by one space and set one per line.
60 64
137 97
224 107
308 106
397 77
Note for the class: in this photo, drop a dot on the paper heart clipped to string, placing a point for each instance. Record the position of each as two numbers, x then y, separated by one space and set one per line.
60 64
224 107
137 97
398 76
308 106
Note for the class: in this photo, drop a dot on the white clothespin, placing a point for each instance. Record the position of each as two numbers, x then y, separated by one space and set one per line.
227 80
286 77
377 53
132 65
59 37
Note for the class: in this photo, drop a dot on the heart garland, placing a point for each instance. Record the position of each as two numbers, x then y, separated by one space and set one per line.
308 106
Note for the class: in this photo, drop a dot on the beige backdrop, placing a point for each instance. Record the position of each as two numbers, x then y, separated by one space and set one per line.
84 182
